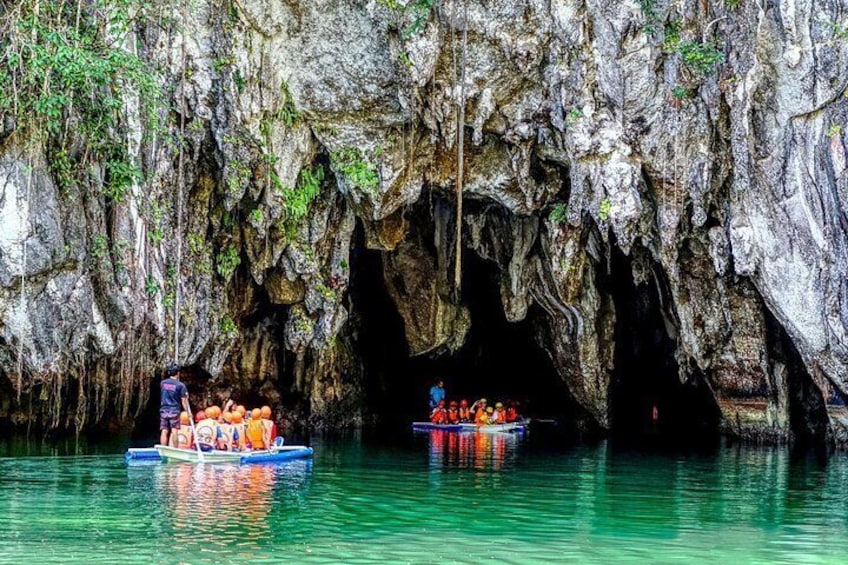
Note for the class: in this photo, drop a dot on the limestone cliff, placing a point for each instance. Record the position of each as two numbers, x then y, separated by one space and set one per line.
704 141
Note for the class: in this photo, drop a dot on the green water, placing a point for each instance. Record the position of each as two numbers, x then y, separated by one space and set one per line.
439 498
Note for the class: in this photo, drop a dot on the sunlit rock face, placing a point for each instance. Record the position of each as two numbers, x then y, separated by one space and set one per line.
591 127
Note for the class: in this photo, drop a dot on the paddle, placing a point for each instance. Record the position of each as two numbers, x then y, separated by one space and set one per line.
194 432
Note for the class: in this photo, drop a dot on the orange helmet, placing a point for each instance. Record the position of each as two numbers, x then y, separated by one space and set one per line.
241 410
236 416
185 418
228 417
463 403
214 412
256 414
266 412
201 415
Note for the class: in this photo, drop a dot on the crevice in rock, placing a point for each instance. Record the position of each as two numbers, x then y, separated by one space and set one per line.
648 399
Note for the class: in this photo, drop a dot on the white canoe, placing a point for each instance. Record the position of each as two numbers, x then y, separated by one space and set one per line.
282 453
491 428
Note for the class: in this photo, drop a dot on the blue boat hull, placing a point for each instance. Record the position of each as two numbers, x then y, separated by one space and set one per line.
142 455
513 427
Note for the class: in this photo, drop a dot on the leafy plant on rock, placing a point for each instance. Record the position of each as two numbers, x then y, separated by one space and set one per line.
356 170
700 57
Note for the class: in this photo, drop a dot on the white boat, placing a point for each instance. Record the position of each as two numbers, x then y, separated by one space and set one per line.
282 453
491 428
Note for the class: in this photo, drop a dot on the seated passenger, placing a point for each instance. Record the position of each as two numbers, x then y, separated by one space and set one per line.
208 433
269 424
512 412
439 415
227 430
239 429
499 415
183 437
256 432
464 411
490 413
453 412
479 410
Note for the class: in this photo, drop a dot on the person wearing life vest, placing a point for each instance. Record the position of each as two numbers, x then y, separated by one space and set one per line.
239 431
439 415
183 439
269 424
464 411
256 432
512 412
228 433
479 411
453 412
490 415
208 433
499 415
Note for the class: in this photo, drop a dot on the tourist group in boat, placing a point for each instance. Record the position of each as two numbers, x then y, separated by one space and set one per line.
479 413
233 428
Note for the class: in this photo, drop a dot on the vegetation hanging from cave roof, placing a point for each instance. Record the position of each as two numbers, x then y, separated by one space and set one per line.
64 79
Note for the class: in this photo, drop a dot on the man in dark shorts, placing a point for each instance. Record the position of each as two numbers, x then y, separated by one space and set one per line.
173 397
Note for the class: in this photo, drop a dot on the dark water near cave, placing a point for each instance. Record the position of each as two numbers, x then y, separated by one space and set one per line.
430 498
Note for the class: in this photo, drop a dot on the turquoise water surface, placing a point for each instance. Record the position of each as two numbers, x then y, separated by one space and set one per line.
432 498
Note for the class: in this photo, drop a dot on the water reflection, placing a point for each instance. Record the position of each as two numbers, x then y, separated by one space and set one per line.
472 450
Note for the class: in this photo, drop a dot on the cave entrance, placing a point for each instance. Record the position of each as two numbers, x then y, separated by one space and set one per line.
499 360
647 398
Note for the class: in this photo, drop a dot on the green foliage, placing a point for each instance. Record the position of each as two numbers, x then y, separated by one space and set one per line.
256 216
649 10
343 265
228 328
99 247
288 113
835 129
573 116
151 287
298 199
559 214
222 63
63 80
680 93
671 38
840 32
605 209
228 260
356 170
419 10
238 175
733 4
196 243
700 57
325 291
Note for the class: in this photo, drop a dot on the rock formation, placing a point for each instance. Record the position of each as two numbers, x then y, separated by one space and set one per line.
704 142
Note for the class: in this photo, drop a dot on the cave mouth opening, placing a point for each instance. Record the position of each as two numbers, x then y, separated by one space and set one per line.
648 401
499 360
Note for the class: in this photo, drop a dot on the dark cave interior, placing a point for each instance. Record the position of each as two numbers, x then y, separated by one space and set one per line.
499 360
647 398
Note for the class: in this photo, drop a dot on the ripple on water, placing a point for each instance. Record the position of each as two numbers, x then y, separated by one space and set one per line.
443 498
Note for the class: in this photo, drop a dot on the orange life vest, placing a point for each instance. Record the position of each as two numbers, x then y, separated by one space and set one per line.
184 438
500 416
453 415
481 419
207 432
439 416
511 414
242 440
464 414
255 431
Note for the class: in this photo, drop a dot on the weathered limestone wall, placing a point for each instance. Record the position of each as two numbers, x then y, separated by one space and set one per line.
587 127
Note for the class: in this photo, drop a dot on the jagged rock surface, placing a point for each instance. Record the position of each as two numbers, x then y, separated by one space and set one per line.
726 188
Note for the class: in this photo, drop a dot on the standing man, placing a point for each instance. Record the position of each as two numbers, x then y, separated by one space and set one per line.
437 393
173 398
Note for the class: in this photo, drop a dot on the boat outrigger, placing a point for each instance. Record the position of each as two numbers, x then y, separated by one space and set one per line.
175 454
514 427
